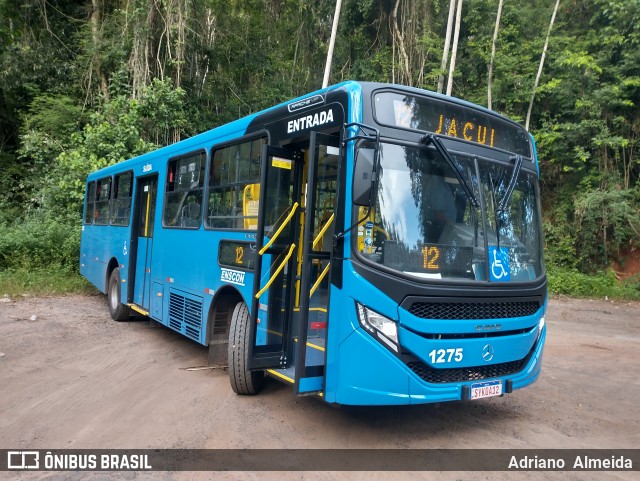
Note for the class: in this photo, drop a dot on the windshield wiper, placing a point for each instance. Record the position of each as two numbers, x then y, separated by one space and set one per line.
474 216
512 183
432 139
497 212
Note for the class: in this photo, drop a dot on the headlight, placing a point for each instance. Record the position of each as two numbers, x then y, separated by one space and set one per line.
385 329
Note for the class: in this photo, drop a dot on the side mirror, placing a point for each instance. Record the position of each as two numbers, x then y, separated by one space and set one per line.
363 176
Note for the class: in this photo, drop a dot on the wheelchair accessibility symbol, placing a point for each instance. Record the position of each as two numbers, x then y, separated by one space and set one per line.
499 264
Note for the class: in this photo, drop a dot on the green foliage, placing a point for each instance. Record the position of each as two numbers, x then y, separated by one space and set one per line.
40 241
11 196
121 129
43 282
46 130
589 229
87 84
608 220
572 282
560 244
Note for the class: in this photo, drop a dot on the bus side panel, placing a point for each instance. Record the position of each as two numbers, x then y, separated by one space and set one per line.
89 267
92 255
185 264
119 249
99 244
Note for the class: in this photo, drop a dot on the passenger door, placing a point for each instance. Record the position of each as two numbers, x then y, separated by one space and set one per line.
317 247
143 238
274 277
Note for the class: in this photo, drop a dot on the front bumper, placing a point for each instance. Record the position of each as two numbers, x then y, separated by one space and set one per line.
369 374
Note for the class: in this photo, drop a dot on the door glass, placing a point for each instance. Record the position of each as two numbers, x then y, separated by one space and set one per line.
279 218
145 213
279 200
147 209
316 262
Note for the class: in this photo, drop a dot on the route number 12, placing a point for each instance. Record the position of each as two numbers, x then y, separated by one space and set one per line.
430 256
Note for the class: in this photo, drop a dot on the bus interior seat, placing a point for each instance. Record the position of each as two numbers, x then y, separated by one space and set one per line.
250 202
190 215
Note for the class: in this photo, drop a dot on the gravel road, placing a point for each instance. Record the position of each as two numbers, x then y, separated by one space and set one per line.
72 378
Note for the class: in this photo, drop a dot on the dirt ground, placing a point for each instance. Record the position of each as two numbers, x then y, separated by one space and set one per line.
70 377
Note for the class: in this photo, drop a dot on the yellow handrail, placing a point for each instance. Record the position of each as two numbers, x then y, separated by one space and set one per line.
146 219
275 274
315 286
322 231
277 233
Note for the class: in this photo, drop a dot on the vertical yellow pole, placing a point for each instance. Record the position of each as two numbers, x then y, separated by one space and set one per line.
302 216
146 220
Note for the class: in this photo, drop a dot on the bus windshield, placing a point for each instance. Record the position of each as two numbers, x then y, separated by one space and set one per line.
424 225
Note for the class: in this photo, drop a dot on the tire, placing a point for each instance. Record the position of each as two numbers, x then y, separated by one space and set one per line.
242 380
118 311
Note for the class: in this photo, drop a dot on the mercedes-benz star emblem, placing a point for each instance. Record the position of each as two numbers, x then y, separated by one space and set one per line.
487 352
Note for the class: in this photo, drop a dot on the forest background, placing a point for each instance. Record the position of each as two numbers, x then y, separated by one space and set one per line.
87 83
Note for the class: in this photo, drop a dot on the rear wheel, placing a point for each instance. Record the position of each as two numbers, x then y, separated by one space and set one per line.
242 380
118 311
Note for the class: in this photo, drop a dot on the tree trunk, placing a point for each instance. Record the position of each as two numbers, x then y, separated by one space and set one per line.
332 42
544 54
96 37
143 51
404 57
454 49
493 54
447 41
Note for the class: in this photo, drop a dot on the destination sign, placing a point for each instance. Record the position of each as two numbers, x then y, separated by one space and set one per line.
448 260
450 119
237 254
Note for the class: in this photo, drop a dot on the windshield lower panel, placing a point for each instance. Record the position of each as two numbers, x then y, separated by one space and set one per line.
423 225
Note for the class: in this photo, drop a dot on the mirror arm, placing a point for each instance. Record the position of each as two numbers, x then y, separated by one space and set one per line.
369 134
363 132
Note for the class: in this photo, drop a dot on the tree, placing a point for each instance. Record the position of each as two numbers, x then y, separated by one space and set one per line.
334 30
447 45
123 128
76 78
454 48
544 53
493 53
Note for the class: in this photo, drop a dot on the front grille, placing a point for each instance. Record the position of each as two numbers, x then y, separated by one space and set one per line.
481 334
473 310
477 373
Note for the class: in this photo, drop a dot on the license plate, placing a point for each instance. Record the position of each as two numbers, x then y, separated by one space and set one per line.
481 390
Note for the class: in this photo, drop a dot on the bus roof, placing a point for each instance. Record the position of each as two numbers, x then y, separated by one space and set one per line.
231 130
238 128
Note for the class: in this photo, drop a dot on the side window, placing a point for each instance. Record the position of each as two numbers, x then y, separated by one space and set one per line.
234 186
90 198
183 191
121 201
103 194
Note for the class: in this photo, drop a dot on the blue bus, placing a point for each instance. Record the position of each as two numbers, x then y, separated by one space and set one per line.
368 243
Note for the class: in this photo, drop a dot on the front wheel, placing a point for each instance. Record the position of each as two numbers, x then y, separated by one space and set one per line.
118 311
243 381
